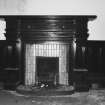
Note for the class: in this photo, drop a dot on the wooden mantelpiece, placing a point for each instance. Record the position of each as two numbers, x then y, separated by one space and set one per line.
34 31
33 28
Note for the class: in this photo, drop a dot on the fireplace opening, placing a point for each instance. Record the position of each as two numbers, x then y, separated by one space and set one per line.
47 69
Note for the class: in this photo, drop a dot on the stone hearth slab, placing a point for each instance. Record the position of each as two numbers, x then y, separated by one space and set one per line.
61 90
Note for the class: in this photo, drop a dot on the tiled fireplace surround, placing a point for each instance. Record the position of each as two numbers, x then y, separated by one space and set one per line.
46 49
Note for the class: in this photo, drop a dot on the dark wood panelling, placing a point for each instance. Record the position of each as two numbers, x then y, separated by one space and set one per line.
93 60
92 57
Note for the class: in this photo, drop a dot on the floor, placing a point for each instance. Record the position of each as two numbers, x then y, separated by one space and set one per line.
93 97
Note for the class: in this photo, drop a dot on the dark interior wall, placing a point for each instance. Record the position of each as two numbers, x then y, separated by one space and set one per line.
92 59
81 57
96 59
90 55
96 65
2 45
10 55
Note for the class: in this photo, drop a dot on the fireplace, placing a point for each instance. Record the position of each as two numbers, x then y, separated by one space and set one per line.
46 62
48 47
47 42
